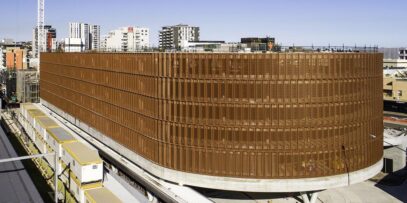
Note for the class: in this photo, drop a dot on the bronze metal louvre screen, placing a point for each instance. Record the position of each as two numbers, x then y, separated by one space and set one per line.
266 116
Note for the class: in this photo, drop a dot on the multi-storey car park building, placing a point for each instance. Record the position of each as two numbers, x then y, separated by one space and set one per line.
269 122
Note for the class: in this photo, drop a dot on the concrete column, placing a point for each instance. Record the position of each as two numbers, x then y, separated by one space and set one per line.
151 197
314 197
307 199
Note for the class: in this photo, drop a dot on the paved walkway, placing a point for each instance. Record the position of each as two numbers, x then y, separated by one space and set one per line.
365 192
15 184
358 193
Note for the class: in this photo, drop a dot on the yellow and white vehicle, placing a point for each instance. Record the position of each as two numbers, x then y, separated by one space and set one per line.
31 115
25 107
42 124
24 113
56 137
80 166
83 161
100 195
78 189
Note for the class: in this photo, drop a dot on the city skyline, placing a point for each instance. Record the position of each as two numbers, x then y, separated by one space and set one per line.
295 22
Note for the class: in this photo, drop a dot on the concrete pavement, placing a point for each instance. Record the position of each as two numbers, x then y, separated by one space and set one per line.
365 192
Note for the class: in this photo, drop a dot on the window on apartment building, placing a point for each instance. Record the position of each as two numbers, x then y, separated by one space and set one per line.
399 93
95 167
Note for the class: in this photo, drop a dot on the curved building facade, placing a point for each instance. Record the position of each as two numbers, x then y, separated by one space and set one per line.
250 122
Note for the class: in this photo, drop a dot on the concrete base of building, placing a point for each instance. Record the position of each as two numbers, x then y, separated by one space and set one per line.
225 183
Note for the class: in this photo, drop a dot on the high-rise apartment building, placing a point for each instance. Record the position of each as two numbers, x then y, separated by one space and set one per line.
94 37
90 34
51 42
177 36
127 39
80 30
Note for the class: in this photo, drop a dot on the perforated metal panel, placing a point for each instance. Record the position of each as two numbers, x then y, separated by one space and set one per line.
279 115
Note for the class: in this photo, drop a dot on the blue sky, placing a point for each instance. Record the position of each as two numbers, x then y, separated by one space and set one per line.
300 22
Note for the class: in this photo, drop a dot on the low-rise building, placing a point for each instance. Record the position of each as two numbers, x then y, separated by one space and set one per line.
7 41
16 58
392 63
200 46
259 44
27 86
215 46
394 53
395 84
74 45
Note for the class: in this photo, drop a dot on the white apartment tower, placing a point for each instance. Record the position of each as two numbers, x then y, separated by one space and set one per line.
94 38
50 40
90 34
127 39
178 36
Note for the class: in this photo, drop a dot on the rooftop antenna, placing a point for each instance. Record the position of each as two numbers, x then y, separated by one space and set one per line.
40 31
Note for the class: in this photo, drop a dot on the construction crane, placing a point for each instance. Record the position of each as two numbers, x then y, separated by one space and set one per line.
41 42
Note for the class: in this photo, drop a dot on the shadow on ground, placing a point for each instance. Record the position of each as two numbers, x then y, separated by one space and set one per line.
246 196
232 195
395 184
